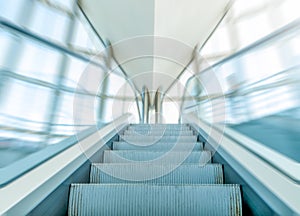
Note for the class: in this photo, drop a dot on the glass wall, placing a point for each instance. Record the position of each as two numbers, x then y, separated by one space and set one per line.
247 22
244 24
47 57
252 83
260 57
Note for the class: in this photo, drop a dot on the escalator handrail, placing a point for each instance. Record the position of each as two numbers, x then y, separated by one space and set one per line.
285 170
15 170
291 27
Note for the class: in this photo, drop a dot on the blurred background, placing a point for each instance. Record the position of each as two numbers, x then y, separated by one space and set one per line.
46 46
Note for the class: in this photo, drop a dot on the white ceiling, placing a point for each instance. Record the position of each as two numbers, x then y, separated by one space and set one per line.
153 39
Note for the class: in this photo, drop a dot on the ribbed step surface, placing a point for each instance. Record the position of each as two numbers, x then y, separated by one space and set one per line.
156 170
156 129
148 200
159 133
157 174
201 157
141 138
158 146
159 127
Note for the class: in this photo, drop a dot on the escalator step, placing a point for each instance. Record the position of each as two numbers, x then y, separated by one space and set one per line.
149 199
158 146
159 127
141 138
159 132
178 126
172 157
157 174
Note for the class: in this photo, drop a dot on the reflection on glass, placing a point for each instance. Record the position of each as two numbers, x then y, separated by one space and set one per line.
39 80
259 92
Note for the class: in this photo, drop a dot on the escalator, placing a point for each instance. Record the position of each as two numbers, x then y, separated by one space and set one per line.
156 170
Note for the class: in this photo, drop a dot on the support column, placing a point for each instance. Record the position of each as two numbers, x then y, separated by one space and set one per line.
158 106
146 105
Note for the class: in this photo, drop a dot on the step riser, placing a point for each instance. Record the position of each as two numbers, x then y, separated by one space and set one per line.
160 124
160 142
156 174
146 200
159 133
159 138
159 129
202 157
158 146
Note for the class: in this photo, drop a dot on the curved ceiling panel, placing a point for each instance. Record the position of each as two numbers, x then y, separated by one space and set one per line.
153 40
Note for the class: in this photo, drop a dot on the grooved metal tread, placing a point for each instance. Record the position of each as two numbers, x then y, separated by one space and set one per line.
158 127
157 174
157 138
172 157
153 129
156 170
158 146
149 199
159 132
159 124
